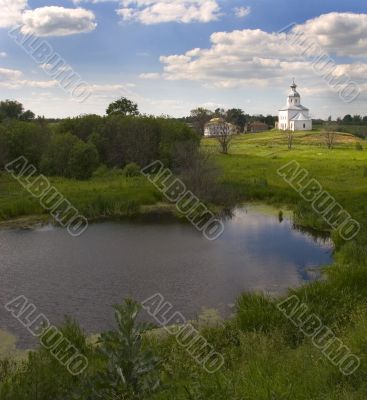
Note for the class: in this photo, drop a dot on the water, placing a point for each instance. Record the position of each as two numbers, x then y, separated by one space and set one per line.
82 277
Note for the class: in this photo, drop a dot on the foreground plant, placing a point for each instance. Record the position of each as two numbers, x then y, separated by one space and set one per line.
131 372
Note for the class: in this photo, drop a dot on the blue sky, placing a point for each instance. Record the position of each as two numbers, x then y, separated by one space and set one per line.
172 56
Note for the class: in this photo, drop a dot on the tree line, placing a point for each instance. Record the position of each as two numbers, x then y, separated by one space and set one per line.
199 117
76 147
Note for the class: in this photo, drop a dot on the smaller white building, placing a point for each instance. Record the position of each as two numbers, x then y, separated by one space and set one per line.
215 127
294 116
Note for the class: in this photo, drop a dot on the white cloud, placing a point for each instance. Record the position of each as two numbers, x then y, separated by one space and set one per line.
338 33
13 79
150 75
3 54
9 74
158 11
57 21
241 12
11 12
252 57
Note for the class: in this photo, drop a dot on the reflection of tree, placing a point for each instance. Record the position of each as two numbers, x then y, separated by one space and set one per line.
318 236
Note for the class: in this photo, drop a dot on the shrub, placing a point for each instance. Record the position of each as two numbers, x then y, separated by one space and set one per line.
359 147
132 372
131 169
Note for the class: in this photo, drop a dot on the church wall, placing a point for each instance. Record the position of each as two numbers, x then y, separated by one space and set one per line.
303 125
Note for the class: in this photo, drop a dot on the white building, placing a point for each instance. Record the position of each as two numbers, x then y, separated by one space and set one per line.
215 127
294 116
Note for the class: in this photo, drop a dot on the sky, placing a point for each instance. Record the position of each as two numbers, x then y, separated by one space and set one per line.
171 56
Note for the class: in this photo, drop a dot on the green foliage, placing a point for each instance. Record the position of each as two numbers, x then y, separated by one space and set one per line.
123 107
10 110
83 160
131 372
42 377
70 157
130 170
23 139
237 117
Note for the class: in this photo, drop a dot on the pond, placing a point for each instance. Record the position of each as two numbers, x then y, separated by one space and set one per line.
82 277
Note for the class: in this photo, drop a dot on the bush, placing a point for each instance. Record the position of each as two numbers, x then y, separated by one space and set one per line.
131 169
359 147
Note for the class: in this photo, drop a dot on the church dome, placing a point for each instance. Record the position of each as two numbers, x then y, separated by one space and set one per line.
293 92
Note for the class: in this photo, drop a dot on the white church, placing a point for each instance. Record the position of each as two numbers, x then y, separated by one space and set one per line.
294 116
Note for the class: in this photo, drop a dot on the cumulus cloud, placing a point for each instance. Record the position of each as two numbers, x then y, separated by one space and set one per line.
13 79
255 57
11 12
343 34
57 21
241 12
158 11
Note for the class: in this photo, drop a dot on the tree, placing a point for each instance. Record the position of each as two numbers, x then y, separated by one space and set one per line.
55 160
329 131
27 116
27 139
220 113
10 109
83 160
200 117
290 137
357 119
237 117
348 119
224 136
123 107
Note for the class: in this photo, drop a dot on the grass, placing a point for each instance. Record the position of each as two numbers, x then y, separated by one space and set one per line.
251 167
112 195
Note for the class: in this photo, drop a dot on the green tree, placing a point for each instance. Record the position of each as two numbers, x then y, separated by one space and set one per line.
55 160
200 117
28 139
27 116
70 157
237 117
357 119
10 109
82 127
83 160
348 119
123 106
